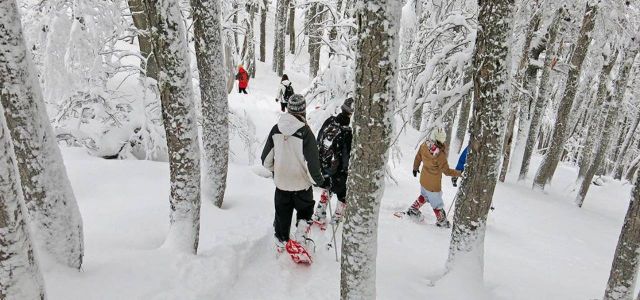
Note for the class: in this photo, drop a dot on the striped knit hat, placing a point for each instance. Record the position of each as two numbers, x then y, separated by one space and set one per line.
297 104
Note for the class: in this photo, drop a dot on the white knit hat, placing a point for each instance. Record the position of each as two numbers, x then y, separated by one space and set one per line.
438 135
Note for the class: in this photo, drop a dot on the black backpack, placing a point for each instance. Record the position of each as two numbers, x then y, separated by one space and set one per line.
329 147
288 92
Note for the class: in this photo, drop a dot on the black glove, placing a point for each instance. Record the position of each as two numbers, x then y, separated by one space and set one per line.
454 180
415 173
326 184
276 99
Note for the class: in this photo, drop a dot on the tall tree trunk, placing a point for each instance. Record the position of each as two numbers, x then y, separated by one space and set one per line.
490 93
235 25
463 115
526 79
263 30
598 117
551 49
613 106
215 108
618 166
19 271
249 53
48 195
179 117
552 158
315 33
138 14
375 93
291 27
279 37
626 259
506 147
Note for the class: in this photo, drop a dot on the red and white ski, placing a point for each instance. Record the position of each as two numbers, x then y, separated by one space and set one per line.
298 253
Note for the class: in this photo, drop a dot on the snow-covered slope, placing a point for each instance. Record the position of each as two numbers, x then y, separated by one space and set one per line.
538 245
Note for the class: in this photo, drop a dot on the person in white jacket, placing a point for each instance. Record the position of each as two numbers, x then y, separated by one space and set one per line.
285 91
291 153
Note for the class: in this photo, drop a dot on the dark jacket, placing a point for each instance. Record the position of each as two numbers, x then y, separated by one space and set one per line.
462 160
338 164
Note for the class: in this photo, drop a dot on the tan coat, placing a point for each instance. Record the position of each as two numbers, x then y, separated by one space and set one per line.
432 168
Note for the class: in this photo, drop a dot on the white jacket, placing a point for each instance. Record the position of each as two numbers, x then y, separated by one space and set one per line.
291 153
281 90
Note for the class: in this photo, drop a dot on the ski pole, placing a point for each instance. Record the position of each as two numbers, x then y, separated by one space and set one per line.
333 229
452 202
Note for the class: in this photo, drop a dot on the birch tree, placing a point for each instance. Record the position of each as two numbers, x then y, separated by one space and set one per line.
47 191
178 114
263 30
624 269
490 98
559 135
378 25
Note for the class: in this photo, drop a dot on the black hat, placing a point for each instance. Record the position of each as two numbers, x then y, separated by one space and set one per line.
347 106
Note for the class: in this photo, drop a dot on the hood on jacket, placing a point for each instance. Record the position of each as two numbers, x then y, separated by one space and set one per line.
289 124
285 82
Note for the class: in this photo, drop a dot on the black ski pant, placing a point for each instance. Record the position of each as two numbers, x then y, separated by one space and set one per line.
285 203
242 90
283 105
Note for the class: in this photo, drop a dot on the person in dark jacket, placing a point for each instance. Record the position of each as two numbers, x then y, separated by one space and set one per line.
334 141
462 160
285 91
291 153
243 80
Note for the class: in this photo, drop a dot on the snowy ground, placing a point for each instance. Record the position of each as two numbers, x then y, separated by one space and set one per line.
538 245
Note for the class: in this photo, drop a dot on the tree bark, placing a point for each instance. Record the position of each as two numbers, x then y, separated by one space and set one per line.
618 166
138 14
263 30
376 67
626 259
481 172
552 158
48 195
597 118
527 80
178 114
612 106
249 53
279 37
315 32
543 93
291 27
20 276
215 108
506 148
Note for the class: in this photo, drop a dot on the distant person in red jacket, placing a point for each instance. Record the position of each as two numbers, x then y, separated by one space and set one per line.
243 80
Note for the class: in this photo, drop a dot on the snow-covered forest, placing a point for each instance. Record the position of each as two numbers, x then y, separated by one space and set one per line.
320 149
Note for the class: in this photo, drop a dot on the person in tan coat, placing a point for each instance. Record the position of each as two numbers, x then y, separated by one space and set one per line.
432 155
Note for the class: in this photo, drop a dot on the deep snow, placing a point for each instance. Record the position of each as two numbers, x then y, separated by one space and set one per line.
538 245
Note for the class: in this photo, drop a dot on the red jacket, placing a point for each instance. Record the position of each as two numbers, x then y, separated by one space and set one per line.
243 78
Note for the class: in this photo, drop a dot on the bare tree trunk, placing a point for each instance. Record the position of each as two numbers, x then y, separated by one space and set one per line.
618 166
506 148
315 33
613 106
279 37
527 80
552 158
48 195
376 67
138 14
249 53
236 25
481 172
215 109
598 117
463 120
543 93
626 259
178 113
291 27
20 276
263 30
